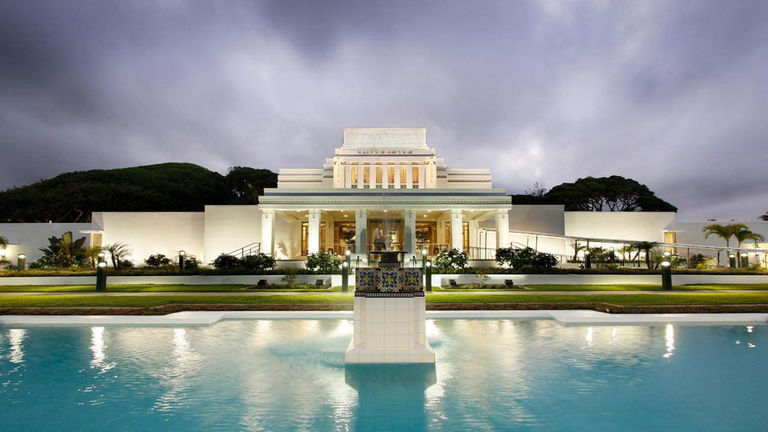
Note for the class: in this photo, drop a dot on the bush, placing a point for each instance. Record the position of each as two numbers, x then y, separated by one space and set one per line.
191 263
324 262
126 264
522 258
56 261
225 261
258 262
158 260
452 259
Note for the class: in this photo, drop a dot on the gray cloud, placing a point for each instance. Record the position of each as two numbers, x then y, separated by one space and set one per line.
671 93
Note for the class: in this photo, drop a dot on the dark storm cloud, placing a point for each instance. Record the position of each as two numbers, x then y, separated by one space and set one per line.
671 93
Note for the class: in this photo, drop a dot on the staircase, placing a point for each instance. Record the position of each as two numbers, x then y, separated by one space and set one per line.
244 251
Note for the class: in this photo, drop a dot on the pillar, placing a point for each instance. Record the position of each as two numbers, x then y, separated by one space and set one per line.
267 223
502 228
372 176
398 168
409 176
361 232
410 231
422 177
347 176
360 176
313 232
385 176
457 239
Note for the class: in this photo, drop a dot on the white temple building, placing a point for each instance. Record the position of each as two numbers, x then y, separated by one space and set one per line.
381 185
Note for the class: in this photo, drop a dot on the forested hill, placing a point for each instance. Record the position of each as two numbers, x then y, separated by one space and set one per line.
71 197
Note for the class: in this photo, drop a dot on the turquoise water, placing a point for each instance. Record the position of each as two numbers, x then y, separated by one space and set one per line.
290 375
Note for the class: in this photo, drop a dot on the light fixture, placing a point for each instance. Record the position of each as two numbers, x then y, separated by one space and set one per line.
743 254
347 253
102 264
731 256
345 264
182 253
429 263
22 256
424 252
665 263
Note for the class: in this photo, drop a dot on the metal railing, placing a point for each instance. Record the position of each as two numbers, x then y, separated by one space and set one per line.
249 249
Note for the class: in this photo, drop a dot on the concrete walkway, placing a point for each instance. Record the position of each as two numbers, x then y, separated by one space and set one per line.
299 293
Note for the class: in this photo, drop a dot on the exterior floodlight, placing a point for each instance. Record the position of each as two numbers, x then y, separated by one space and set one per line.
666 275
744 260
428 275
667 254
732 260
587 260
101 276
21 262
424 252
182 254
102 257
424 260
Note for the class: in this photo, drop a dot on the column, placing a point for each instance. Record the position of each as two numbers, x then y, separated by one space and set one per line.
410 231
361 232
372 176
457 239
313 232
398 168
347 176
267 222
422 177
360 176
385 176
409 176
502 228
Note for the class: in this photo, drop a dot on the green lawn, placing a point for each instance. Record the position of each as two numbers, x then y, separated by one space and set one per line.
626 287
346 299
160 288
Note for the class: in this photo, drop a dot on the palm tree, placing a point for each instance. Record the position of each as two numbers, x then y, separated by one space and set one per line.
117 251
3 242
744 234
92 253
644 246
576 248
723 231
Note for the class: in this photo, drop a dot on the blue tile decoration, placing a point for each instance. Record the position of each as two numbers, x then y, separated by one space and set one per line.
365 279
388 279
411 280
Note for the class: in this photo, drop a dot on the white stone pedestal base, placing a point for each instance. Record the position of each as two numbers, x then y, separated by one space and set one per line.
389 330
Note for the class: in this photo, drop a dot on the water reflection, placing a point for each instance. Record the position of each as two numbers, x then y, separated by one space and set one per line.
184 364
669 341
16 338
390 397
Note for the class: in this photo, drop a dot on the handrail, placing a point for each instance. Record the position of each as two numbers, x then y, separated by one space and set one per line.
246 250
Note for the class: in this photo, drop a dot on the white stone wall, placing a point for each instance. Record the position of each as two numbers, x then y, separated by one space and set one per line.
645 226
228 227
148 233
28 238
287 236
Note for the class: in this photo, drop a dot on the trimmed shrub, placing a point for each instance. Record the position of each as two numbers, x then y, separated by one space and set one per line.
225 261
525 258
258 262
324 262
451 259
158 260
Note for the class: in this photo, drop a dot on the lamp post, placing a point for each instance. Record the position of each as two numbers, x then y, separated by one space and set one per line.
732 260
587 260
612 257
666 275
21 262
424 260
102 257
428 275
744 260
101 276
345 276
182 254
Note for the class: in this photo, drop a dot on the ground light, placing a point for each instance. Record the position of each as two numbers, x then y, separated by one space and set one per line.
744 260
666 275
428 275
182 254
732 260
102 257
101 276
423 260
21 262
587 260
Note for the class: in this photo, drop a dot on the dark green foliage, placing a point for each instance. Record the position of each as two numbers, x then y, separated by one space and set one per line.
258 262
451 259
127 264
158 260
525 258
191 263
246 184
614 193
764 217
225 261
71 197
324 262
63 252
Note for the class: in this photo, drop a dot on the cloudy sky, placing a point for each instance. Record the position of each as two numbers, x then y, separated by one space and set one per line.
671 93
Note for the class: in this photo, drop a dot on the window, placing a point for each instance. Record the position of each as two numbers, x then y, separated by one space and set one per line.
354 176
415 176
403 177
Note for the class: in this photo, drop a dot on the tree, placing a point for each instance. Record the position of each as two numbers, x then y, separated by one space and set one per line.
324 262
522 258
744 234
247 184
723 231
158 260
539 189
644 246
614 193
3 242
764 217
576 249
451 259
117 252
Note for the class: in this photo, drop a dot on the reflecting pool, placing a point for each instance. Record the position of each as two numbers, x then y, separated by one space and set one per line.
290 375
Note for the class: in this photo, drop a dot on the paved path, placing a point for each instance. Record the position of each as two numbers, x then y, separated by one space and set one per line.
299 293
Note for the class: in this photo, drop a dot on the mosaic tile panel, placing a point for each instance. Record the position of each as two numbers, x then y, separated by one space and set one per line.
411 279
389 279
365 279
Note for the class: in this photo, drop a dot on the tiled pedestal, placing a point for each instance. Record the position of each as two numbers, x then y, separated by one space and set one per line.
389 328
